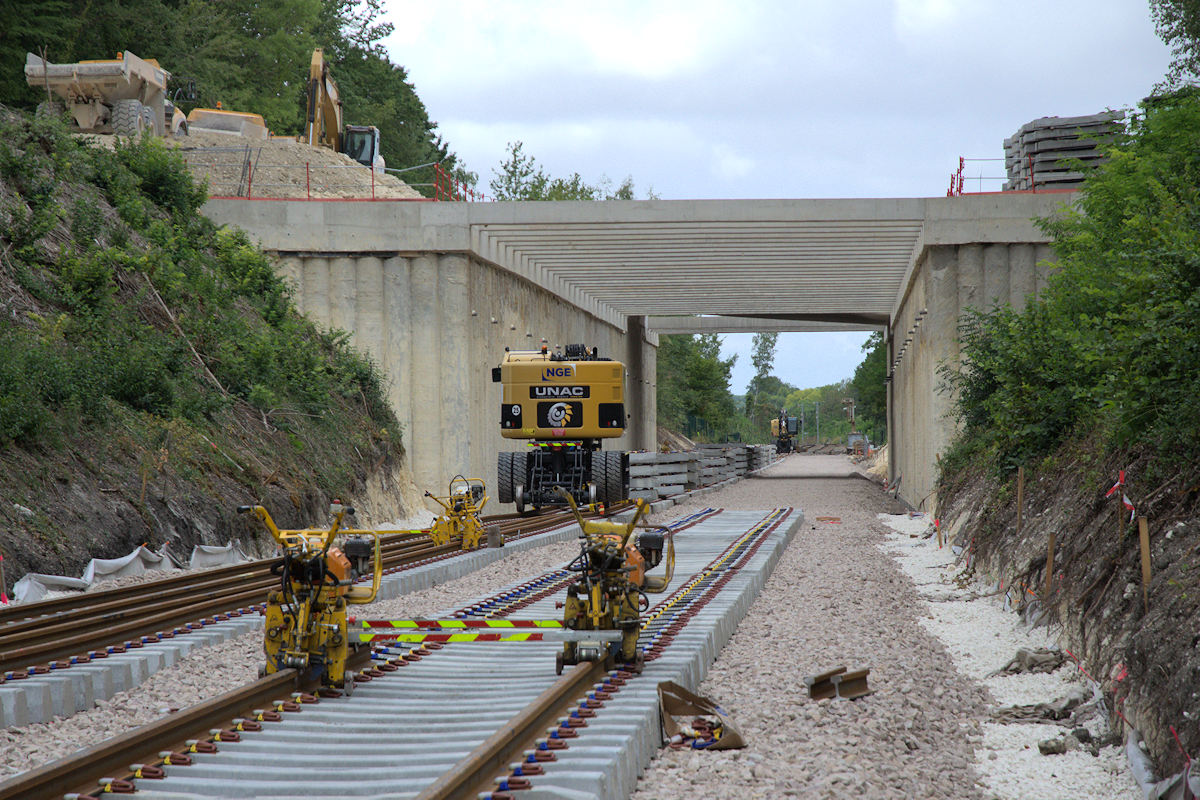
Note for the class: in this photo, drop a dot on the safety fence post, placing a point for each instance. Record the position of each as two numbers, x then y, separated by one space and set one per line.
1144 537
307 182
1020 496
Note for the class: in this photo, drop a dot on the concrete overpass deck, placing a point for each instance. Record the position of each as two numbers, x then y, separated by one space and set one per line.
436 290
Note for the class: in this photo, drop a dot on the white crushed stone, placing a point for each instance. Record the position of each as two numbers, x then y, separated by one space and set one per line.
981 637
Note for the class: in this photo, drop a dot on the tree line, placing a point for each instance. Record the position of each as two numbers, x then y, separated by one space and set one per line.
695 396
249 55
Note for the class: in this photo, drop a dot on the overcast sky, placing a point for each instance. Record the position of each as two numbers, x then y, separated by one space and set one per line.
802 99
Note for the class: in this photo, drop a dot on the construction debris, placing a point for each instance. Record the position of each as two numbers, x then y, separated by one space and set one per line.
837 682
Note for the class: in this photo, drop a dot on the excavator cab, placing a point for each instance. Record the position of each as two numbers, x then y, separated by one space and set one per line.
361 142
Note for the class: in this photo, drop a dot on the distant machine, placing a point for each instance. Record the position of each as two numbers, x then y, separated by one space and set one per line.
125 95
323 125
783 429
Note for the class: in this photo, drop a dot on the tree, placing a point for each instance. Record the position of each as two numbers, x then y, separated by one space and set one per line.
29 27
520 177
1177 23
762 356
870 391
693 384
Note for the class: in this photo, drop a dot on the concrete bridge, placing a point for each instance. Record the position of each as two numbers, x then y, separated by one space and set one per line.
434 292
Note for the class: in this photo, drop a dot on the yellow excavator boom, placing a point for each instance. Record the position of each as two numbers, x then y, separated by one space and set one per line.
323 119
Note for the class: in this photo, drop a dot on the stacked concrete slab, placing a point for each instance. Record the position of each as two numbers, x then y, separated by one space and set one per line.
654 476
1052 143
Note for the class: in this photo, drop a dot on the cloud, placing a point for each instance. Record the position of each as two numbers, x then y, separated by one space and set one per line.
923 19
729 165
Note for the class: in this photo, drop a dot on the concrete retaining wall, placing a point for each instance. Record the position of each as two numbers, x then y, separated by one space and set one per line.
436 324
950 279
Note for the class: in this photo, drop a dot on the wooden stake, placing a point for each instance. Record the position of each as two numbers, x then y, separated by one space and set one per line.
1049 564
1144 536
1020 496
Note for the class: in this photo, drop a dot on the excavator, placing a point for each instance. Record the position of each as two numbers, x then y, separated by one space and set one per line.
323 125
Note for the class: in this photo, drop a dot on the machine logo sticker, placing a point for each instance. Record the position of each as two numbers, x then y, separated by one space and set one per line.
554 373
560 415
542 392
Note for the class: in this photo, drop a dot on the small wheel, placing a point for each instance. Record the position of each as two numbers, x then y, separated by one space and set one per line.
348 683
262 671
519 498
558 663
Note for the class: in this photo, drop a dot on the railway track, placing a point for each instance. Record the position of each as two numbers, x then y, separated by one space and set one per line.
36 638
449 720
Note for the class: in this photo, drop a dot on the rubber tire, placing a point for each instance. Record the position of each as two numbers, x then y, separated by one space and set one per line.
614 478
504 477
128 119
519 498
148 119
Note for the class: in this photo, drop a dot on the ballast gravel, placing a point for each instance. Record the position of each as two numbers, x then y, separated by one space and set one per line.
863 587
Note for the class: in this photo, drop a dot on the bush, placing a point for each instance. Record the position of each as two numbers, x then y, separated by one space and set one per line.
1115 337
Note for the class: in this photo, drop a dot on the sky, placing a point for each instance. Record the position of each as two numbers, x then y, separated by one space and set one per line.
801 99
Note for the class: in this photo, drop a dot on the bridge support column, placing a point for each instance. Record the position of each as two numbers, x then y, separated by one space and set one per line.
640 387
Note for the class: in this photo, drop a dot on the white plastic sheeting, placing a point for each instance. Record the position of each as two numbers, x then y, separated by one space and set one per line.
35 586
1180 786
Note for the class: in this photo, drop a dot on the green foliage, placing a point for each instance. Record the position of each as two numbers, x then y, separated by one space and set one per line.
762 355
693 384
1178 24
1114 339
151 309
250 56
521 178
869 389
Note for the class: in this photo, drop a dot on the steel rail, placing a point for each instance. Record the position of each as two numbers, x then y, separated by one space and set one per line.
477 771
81 771
65 628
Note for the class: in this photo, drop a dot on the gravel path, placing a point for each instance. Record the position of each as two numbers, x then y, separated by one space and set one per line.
866 591
849 593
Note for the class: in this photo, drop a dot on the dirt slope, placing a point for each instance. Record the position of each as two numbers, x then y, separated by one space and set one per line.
1146 661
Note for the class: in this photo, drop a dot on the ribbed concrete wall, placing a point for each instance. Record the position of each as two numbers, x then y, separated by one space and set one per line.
427 322
949 279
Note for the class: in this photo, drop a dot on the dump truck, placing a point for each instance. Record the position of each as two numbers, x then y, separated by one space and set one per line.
126 95
323 126
564 404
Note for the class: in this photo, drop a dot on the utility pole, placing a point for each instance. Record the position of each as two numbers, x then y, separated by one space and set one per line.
818 404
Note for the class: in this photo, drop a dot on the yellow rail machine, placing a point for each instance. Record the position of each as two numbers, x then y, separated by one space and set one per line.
565 404
306 615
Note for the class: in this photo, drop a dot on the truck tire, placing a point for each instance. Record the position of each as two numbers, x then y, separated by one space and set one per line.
612 476
148 119
504 477
128 119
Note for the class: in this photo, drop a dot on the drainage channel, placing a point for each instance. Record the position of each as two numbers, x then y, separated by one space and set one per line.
430 706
